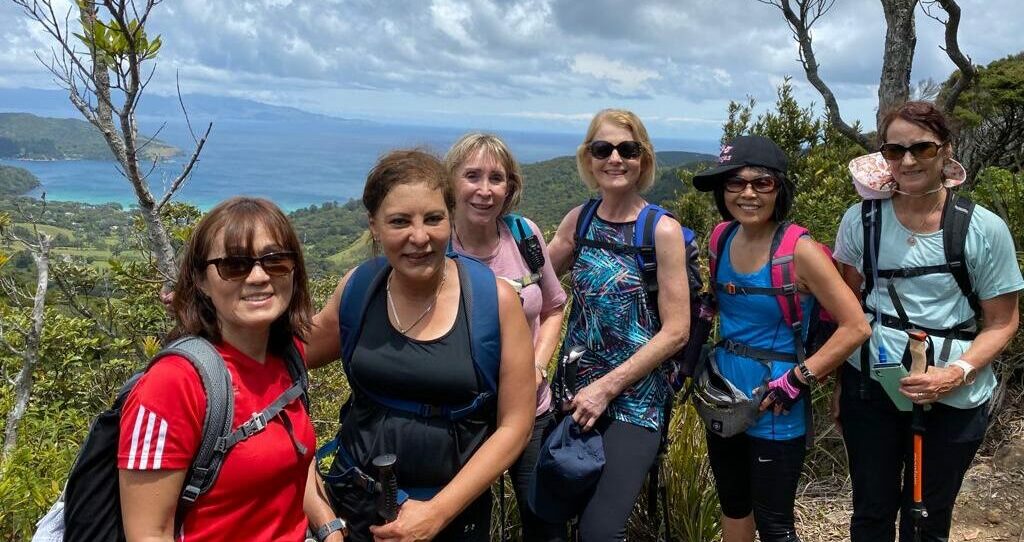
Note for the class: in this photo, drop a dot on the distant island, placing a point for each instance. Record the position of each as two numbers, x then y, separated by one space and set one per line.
24 136
15 181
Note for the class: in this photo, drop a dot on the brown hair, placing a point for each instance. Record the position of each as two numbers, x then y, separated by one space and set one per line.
923 114
622 119
407 166
468 145
239 218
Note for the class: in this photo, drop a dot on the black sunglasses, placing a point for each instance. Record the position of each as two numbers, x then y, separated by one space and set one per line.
275 264
762 185
628 150
922 150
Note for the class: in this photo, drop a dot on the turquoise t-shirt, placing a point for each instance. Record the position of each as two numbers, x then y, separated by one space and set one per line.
933 301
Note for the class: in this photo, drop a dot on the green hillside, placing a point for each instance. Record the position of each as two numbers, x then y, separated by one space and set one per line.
29 137
15 181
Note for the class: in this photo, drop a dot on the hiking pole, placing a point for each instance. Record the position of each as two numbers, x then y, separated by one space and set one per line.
566 377
918 365
387 499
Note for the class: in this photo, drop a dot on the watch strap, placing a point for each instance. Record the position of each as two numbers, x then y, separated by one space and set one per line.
807 374
325 530
970 372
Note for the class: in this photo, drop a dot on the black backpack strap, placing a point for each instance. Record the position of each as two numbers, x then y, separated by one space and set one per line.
220 408
956 219
871 223
258 422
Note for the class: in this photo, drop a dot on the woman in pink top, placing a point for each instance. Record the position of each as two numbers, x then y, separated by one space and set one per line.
488 183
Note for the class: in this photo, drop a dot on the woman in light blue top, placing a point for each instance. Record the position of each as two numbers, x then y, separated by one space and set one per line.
913 285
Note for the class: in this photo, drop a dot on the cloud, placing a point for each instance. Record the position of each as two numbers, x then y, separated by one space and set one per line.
625 79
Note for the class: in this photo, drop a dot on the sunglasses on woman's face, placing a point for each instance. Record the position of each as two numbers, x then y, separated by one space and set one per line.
275 264
762 185
628 150
921 151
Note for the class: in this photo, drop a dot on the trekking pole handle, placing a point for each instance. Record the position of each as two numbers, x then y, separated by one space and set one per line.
387 500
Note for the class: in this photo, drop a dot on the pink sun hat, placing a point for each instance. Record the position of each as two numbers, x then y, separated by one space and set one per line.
873 180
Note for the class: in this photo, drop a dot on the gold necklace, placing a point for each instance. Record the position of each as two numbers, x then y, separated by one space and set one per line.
912 238
394 311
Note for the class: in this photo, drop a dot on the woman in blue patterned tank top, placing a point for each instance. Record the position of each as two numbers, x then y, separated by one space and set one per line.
622 388
757 466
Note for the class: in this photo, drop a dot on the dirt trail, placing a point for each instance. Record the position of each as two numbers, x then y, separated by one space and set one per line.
990 507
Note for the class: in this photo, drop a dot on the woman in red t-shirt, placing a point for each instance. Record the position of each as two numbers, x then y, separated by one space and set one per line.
242 286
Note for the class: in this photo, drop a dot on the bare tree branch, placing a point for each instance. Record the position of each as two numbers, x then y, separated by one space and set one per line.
187 171
968 73
800 24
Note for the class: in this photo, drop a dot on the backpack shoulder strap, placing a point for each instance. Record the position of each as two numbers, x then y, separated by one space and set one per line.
297 370
480 296
783 271
220 409
355 299
646 254
583 220
956 219
719 235
871 222
523 234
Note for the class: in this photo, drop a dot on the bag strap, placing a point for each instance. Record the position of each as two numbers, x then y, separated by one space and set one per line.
220 408
716 245
956 220
480 298
522 233
646 253
583 220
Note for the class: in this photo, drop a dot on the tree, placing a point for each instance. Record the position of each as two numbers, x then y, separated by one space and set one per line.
39 247
897 56
104 82
991 117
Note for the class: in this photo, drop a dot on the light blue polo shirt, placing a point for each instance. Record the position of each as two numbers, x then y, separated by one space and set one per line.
933 301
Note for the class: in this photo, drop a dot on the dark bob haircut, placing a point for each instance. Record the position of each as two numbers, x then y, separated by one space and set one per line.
783 198
240 218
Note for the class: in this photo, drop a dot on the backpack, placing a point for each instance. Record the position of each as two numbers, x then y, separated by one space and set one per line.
479 296
956 219
821 325
90 506
528 245
643 250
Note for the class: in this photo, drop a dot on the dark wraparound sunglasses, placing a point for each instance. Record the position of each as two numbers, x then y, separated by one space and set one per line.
762 185
628 150
274 264
922 150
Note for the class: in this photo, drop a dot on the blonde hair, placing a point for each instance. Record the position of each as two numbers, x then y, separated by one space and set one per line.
492 145
622 119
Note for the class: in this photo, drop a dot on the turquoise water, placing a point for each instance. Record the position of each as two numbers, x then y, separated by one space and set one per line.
294 164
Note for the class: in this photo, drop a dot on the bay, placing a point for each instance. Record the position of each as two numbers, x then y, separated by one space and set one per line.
293 163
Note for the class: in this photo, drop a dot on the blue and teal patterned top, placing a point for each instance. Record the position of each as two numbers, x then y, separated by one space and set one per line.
609 316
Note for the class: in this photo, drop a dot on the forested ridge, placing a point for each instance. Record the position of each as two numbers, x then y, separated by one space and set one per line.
15 181
28 137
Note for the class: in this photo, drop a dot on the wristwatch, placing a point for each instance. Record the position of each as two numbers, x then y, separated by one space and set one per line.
807 374
970 373
325 530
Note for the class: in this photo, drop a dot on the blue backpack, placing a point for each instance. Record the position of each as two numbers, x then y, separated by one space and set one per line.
479 296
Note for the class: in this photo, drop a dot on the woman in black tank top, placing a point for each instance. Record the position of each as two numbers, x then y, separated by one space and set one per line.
415 345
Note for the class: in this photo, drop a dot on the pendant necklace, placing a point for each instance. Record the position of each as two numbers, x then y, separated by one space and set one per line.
912 238
394 311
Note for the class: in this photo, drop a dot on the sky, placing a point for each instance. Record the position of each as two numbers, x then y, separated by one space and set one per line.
521 64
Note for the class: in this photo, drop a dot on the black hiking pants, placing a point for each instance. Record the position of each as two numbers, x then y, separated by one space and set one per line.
878 444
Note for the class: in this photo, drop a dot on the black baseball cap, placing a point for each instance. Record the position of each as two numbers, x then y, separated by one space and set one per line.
747 150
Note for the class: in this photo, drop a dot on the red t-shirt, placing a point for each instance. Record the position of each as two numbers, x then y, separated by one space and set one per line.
258 494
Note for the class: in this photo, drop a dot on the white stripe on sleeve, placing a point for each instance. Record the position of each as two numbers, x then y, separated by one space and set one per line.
135 436
159 455
149 439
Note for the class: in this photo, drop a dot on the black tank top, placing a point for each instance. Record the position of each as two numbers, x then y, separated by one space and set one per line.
437 372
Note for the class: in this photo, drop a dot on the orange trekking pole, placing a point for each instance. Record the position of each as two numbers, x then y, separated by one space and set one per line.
917 344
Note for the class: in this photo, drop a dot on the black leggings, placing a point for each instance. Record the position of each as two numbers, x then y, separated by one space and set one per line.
760 476
629 452
522 472
878 441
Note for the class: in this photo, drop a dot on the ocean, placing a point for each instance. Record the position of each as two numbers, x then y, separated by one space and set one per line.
295 164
